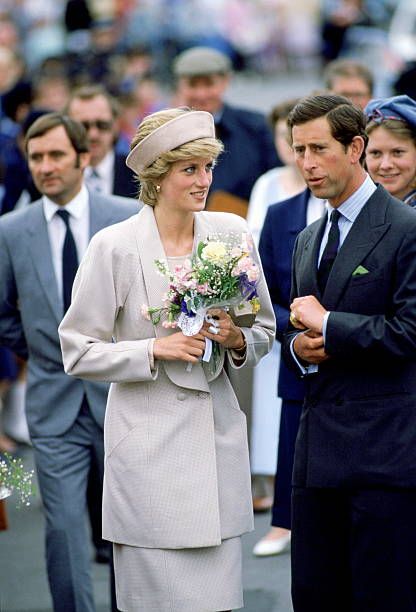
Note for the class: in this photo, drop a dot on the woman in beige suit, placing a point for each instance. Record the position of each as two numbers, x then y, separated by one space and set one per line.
177 481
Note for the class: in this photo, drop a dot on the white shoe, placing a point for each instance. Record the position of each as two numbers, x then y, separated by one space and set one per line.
265 548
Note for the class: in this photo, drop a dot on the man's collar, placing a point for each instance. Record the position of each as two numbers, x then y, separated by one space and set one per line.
353 205
76 207
106 165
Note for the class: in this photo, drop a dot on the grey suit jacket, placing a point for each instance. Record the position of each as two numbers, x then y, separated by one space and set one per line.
176 472
31 310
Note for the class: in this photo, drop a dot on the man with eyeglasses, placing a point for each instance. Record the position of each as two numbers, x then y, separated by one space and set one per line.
351 79
107 173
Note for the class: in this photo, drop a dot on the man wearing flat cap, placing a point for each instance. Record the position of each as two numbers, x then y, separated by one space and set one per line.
203 76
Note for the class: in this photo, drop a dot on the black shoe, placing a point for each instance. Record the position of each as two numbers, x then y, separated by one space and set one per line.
102 554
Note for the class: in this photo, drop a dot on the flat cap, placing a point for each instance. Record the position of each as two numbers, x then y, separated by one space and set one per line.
199 61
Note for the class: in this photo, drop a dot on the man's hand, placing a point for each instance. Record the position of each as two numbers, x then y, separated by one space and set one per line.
309 346
308 313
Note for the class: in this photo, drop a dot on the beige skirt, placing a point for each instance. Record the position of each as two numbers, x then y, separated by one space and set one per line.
185 580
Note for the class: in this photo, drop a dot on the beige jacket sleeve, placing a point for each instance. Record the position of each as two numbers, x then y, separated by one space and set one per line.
91 338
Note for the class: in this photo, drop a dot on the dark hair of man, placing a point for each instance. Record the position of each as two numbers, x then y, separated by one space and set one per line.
345 119
89 92
348 68
74 130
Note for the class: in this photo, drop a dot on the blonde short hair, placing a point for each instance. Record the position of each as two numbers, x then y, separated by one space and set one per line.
149 177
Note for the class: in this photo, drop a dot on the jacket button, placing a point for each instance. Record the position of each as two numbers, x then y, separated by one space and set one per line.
181 396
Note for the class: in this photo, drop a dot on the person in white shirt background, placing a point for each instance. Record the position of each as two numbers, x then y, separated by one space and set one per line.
273 186
98 111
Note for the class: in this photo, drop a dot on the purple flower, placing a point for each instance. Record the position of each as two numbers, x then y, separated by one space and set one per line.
248 289
185 310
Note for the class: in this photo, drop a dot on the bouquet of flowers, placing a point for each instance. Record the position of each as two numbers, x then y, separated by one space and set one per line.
221 274
13 477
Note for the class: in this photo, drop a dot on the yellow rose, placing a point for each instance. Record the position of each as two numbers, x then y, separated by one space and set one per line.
214 252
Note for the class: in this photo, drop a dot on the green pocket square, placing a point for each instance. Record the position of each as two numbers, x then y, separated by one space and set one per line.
360 271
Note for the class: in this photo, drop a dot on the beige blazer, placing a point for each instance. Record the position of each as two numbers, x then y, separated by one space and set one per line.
176 469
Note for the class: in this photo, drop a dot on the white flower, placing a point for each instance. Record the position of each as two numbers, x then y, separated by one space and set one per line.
214 252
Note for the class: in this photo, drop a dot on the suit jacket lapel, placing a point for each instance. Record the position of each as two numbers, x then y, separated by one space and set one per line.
367 230
39 245
100 217
308 262
150 248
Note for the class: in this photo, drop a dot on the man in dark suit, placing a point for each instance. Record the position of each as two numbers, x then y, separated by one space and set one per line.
39 249
203 76
107 172
353 338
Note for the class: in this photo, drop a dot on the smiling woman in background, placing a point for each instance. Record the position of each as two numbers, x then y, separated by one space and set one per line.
391 149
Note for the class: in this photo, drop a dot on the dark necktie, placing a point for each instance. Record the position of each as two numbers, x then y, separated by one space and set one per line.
330 251
69 260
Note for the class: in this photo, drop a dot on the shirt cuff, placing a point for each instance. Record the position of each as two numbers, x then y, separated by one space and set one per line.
324 324
150 353
309 369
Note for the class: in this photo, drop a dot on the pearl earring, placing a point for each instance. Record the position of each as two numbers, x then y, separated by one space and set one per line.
157 188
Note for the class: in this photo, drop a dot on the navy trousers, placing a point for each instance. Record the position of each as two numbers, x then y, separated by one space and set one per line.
289 425
354 550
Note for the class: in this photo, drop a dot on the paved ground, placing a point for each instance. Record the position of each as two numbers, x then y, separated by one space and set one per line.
23 586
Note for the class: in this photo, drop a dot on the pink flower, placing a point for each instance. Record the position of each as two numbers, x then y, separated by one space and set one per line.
145 311
247 242
203 289
243 265
169 324
253 273
236 252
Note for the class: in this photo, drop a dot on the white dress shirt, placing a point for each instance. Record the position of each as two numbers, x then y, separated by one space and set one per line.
79 221
101 177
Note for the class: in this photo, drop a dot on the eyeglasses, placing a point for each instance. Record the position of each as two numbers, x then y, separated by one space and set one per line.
354 94
100 124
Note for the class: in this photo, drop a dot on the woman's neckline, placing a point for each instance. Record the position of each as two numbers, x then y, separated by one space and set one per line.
188 255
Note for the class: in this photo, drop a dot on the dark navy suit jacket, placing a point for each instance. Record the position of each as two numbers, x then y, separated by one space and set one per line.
358 422
284 221
124 182
249 151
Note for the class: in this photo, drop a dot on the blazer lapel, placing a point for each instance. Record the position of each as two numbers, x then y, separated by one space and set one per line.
367 230
150 248
100 217
308 263
38 242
